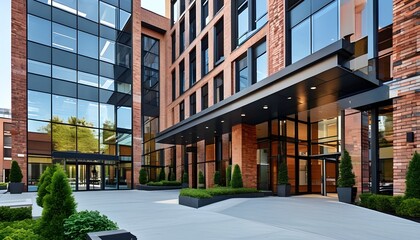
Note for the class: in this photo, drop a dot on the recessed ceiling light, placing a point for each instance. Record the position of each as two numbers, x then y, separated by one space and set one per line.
265 107
313 88
182 136
289 98
215 132
243 115
222 121
207 127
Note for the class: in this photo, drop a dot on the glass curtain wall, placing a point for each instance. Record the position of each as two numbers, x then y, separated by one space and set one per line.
79 87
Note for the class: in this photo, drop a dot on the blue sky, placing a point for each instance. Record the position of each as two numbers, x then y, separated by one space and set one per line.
157 6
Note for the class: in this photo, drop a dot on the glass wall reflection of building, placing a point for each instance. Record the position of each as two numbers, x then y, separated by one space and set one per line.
80 91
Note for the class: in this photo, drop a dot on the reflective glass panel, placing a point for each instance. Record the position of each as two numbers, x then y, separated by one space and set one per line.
242 26
66 5
63 137
64 73
64 109
260 13
64 38
39 68
87 140
106 83
87 79
301 40
124 117
107 116
88 9
87 113
325 27
39 30
262 68
107 50
39 105
124 16
108 15
38 127
87 45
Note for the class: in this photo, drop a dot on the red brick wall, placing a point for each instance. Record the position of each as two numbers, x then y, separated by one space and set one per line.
4 164
244 152
406 88
19 97
276 35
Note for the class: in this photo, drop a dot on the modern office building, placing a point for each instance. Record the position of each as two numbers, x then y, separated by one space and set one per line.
106 88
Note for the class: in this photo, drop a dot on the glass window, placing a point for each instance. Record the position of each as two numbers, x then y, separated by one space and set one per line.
123 55
88 9
108 15
181 111
124 117
87 79
106 83
242 74
193 67
64 73
39 83
87 45
261 63
301 40
107 116
218 88
175 10
181 77
205 97
39 105
219 44
39 68
63 137
385 13
87 92
204 56
64 109
300 12
173 39
108 141
64 88
173 85
39 30
107 50
124 17
123 87
193 106
64 37
38 127
218 4
66 5
87 113
87 140
260 13
242 22
182 37
205 14
325 27
192 23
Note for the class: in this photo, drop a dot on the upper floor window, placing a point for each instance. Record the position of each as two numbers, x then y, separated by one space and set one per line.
260 61
181 36
173 85
219 44
181 111
218 4
182 6
193 67
205 14
175 10
193 27
204 56
193 105
218 88
181 77
204 96
313 26
242 81
173 46
251 15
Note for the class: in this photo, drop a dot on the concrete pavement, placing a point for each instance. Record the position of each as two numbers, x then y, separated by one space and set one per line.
157 215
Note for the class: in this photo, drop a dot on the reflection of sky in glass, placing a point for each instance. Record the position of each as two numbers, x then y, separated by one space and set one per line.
385 13
88 111
64 108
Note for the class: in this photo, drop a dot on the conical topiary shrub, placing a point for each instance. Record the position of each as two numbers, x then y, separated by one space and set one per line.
162 175
346 177
185 178
237 177
216 178
143 176
228 175
44 183
283 177
200 179
412 179
15 175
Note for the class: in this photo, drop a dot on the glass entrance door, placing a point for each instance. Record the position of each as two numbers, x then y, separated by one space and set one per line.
89 177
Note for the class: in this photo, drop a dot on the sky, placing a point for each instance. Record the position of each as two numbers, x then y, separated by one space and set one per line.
157 6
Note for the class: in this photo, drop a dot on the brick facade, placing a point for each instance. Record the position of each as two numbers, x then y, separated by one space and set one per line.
276 36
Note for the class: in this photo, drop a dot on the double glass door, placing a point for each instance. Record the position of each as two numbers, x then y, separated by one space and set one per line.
90 177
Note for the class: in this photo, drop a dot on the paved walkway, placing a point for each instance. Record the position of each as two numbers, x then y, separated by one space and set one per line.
157 215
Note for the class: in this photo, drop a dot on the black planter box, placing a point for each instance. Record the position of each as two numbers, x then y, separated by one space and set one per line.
15 188
283 190
346 194
156 188
200 202
111 235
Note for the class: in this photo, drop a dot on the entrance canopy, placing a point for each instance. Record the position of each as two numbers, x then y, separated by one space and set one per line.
314 81
84 156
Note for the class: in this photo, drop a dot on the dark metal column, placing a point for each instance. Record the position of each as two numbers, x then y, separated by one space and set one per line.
374 151
324 177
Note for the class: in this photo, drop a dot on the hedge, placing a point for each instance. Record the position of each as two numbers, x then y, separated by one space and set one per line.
164 183
22 230
211 192
391 204
15 214
410 208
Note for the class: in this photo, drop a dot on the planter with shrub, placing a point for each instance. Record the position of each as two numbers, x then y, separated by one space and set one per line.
283 187
346 180
3 186
15 186
162 185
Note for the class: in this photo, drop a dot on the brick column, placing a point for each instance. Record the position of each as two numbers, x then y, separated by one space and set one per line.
276 36
19 90
210 165
244 152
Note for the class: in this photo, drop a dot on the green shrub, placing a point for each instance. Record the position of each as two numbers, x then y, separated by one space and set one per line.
409 207
383 203
59 204
172 176
282 177
216 178
15 173
22 234
236 177
3 186
79 224
396 202
228 175
15 214
143 176
210 192
346 177
13 230
43 184
164 183
185 178
412 179
200 177
162 175
364 199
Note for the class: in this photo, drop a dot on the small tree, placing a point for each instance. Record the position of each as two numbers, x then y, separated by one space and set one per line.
15 175
185 178
143 176
162 175
412 179
282 177
236 177
58 204
43 184
346 177
228 175
200 178
216 178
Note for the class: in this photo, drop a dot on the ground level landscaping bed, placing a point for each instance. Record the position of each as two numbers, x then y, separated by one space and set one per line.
162 185
197 198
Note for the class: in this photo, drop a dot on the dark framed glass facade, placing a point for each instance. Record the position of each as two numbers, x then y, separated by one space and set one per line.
173 41
218 88
218 4
242 77
204 56
205 18
181 36
193 23
250 16
193 67
193 104
181 77
79 92
173 85
219 48
204 96
181 111
261 61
